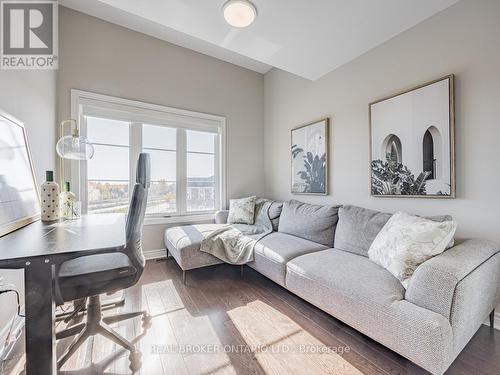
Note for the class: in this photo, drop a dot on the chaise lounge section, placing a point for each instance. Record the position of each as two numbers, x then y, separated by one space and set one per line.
447 300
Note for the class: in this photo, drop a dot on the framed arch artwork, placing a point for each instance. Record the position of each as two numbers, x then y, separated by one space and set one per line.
412 142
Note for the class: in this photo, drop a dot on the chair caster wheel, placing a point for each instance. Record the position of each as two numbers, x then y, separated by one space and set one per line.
135 359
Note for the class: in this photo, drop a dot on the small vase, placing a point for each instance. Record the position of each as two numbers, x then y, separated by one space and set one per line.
68 203
49 195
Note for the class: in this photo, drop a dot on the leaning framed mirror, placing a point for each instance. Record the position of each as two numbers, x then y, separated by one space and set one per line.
19 196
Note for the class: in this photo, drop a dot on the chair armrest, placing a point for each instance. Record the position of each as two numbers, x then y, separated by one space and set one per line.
221 216
473 265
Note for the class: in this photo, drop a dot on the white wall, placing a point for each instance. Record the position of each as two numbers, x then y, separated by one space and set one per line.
100 57
30 97
463 40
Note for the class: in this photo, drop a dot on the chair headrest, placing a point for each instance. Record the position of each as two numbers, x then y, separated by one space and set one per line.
143 173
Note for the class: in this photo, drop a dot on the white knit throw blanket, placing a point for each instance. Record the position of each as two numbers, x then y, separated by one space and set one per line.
235 243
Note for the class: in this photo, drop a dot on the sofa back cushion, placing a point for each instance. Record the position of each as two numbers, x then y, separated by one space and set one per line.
358 227
312 222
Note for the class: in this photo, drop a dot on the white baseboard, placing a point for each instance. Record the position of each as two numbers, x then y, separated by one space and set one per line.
155 254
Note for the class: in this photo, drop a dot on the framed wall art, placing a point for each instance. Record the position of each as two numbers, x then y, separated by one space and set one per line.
309 155
412 137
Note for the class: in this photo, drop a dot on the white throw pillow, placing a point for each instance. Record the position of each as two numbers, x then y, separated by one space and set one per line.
407 241
242 211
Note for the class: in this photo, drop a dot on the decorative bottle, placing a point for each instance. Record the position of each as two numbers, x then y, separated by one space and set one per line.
67 203
49 195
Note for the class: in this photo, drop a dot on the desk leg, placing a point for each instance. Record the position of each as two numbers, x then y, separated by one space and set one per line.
40 315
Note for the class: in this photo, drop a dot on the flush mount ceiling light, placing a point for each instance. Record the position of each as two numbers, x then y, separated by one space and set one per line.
239 13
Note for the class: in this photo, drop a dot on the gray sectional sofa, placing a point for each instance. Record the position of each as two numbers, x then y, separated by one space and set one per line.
320 253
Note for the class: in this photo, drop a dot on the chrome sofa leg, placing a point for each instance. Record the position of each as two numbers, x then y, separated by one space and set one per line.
492 319
241 271
184 277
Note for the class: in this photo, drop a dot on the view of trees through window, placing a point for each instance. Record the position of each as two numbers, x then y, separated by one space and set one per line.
108 173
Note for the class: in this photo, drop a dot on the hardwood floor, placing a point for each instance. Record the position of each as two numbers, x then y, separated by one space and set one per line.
220 324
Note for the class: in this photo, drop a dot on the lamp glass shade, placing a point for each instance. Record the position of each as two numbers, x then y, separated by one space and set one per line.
75 148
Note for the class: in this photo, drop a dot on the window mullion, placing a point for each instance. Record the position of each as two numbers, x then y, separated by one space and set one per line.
181 173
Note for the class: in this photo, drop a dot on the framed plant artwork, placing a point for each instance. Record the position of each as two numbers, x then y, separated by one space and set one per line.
412 147
309 154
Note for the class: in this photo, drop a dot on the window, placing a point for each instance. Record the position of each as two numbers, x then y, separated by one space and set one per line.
187 157
161 143
200 171
108 170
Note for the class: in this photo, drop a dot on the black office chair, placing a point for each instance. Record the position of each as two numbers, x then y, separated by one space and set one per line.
92 275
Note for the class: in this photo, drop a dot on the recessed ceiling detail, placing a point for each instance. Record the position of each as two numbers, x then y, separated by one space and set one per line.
306 38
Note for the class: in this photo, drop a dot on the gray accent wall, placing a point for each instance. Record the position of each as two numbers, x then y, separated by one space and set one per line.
463 40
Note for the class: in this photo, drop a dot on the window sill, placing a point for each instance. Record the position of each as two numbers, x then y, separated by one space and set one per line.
177 220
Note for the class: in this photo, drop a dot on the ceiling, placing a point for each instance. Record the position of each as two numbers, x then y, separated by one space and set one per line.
308 38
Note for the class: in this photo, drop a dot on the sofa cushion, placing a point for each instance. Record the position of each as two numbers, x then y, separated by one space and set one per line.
184 245
368 298
357 227
308 221
274 251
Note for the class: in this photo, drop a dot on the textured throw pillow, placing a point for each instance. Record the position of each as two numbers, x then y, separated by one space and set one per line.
407 241
242 211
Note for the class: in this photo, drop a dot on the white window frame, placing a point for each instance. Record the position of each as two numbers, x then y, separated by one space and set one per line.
84 103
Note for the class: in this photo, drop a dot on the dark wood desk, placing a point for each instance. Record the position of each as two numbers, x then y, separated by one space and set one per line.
39 249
